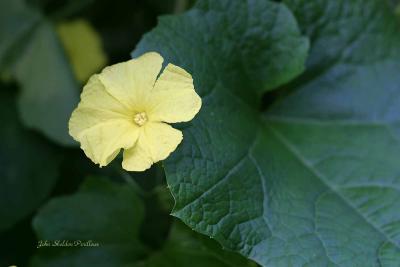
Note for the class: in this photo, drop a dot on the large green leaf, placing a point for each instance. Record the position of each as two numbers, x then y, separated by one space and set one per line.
315 180
28 166
101 212
31 51
256 46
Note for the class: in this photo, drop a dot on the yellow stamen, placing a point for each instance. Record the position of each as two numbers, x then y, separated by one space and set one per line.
140 118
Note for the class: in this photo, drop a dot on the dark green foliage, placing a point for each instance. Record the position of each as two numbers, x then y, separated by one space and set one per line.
313 180
24 183
293 160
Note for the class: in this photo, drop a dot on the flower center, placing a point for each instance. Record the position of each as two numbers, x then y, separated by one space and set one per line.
140 118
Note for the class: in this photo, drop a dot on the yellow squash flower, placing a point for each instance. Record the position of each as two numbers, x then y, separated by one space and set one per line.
127 107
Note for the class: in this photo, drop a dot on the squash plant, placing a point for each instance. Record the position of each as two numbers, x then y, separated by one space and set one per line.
292 160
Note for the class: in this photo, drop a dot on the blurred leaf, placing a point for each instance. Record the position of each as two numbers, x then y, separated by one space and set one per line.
103 212
186 248
393 3
83 46
16 22
111 214
49 91
28 166
314 180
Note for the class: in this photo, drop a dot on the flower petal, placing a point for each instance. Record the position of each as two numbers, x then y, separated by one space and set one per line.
173 98
103 142
96 106
101 124
130 82
156 141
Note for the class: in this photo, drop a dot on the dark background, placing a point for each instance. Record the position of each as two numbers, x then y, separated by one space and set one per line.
120 23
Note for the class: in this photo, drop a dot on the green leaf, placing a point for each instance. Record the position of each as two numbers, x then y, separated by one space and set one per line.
314 180
28 166
47 85
111 215
185 248
389 255
33 54
102 212
16 21
257 45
